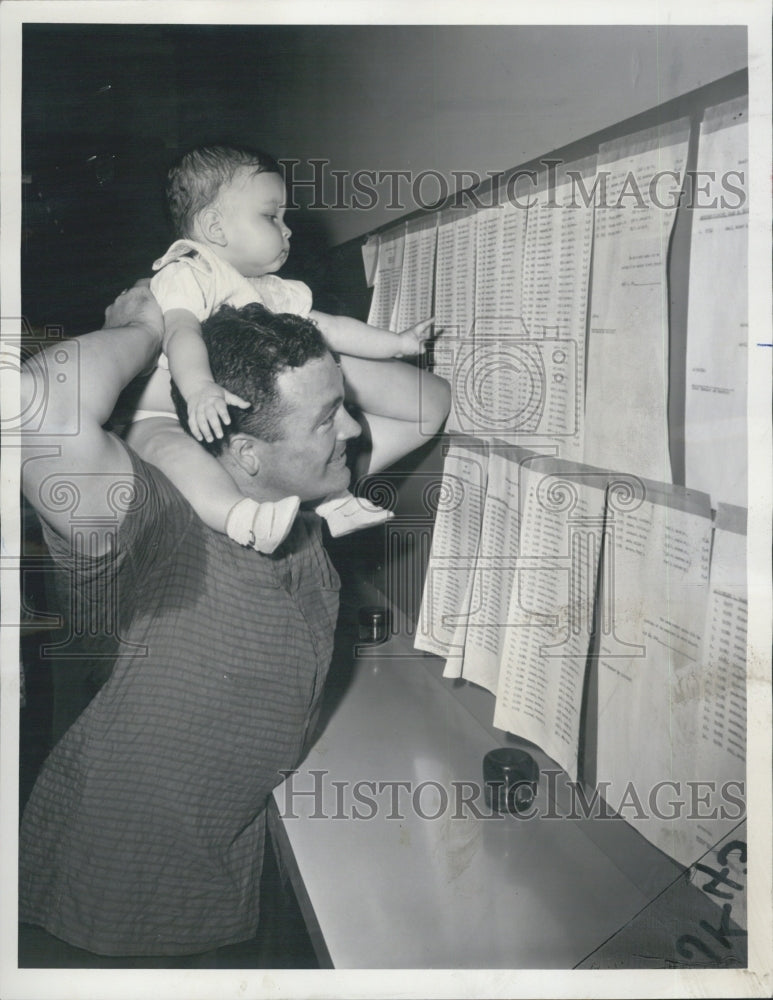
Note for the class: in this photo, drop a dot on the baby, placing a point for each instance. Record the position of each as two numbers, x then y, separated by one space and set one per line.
228 207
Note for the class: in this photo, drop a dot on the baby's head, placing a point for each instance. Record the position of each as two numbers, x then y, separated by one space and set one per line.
232 199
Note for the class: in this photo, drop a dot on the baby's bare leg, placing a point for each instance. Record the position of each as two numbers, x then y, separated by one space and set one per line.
403 405
209 489
199 476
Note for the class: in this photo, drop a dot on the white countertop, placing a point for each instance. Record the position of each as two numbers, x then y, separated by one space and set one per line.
452 892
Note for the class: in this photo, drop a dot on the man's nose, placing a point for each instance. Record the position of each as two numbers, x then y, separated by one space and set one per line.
347 425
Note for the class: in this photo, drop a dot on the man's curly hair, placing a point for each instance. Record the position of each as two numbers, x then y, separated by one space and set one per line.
248 349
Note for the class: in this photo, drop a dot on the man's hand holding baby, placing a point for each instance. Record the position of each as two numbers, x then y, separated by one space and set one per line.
135 306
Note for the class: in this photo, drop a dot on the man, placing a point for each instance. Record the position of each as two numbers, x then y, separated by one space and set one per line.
144 834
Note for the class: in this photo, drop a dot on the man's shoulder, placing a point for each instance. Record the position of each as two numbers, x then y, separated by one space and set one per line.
147 491
148 509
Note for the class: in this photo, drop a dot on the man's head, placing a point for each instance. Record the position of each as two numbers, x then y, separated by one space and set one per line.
293 438
232 199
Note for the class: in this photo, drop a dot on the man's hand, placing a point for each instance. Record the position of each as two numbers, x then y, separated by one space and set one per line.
208 410
413 340
135 306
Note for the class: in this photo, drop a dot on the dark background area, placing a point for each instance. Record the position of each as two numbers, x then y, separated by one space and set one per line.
106 110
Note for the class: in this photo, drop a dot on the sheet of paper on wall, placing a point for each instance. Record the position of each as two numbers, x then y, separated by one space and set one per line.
717 317
716 712
487 391
500 232
495 566
639 178
386 283
455 273
483 403
454 549
454 305
655 590
555 280
481 356
550 612
414 299
457 635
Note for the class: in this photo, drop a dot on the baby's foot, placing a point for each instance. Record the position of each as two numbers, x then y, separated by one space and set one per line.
346 513
262 526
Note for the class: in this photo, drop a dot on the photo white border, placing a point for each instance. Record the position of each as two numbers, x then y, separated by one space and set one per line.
756 981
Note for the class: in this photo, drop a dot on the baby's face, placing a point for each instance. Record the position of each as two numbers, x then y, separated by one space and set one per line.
252 211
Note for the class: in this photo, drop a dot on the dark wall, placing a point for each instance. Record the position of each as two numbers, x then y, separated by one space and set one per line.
93 162
106 109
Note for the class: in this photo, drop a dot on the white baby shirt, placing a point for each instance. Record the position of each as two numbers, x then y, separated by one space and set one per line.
189 276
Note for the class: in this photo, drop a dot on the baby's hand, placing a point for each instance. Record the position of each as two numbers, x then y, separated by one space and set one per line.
208 410
413 340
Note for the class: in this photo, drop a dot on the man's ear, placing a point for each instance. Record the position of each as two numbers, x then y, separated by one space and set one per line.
211 225
246 451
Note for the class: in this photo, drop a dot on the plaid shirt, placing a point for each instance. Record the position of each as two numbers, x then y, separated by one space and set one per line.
144 833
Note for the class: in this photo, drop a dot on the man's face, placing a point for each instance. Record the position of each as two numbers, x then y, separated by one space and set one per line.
310 459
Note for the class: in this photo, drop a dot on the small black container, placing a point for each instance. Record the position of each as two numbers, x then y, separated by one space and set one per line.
510 778
374 623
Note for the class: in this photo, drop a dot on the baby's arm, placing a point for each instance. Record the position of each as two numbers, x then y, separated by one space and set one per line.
404 406
207 402
350 336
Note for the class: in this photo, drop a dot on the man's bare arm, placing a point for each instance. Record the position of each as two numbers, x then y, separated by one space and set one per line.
73 471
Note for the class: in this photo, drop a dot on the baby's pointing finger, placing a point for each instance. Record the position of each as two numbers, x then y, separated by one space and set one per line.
233 400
